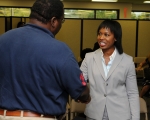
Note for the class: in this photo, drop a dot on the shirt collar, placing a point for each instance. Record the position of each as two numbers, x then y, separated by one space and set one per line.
40 28
112 56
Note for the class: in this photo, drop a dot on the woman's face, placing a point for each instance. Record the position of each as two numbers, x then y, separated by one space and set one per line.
106 39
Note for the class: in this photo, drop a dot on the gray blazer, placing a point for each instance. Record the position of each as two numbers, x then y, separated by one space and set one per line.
118 91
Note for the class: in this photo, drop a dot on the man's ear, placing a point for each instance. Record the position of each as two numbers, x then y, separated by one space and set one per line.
53 20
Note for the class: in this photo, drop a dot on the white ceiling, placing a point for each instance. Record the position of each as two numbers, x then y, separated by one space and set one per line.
119 1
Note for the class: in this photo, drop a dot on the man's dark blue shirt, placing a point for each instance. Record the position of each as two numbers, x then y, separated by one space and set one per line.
37 72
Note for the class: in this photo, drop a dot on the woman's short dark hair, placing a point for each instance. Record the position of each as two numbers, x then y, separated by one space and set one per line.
44 10
116 29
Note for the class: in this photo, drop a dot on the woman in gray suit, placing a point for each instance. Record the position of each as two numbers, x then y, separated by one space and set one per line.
112 78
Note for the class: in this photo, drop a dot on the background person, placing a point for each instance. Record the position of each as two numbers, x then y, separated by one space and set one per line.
144 63
20 24
38 72
145 91
83 53
112 78
96 46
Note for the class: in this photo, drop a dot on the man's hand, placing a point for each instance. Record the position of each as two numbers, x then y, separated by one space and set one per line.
85 96
86 102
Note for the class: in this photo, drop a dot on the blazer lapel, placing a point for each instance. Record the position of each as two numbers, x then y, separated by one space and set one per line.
116 61
98 60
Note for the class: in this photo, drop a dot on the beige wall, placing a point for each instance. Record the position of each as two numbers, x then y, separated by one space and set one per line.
70 34
15 22
143 38
2 24
145 7
19 3
90 32
128 36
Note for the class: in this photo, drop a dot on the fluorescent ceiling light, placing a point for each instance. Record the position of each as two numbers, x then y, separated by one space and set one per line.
104 0
146 1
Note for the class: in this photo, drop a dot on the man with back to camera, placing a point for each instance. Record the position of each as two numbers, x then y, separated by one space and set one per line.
38 72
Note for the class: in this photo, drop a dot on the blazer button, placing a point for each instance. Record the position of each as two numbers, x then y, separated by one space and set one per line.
105 95
106 84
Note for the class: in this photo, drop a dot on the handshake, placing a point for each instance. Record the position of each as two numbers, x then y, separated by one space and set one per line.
84 97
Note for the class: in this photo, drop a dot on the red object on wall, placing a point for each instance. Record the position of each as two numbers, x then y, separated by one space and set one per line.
125 12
